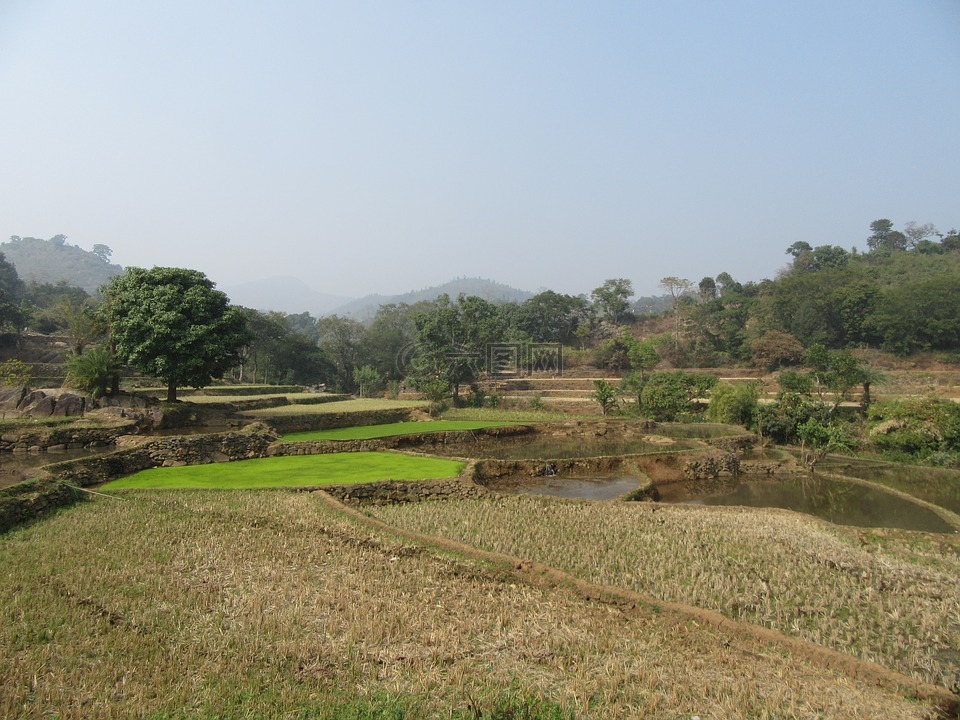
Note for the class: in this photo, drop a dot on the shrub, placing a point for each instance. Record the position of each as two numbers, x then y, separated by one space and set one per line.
919 428
605 394
734 404
92 371
667 394
15 373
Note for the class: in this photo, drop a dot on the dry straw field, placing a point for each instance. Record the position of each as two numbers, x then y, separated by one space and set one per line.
256 604
887 596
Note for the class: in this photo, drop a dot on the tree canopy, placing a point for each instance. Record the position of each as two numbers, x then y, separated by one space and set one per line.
172 324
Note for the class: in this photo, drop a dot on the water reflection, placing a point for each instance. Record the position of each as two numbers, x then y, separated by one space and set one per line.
16 467
836 501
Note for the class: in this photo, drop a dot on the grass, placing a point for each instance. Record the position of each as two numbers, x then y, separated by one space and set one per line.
294 471
293 398
523 416
245 604
366 432
341 406
895 603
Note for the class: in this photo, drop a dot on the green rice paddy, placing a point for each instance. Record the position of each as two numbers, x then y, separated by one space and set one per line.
295 471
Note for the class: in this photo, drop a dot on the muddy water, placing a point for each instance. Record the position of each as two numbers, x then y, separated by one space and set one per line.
588 488
16 467
832 500
939 486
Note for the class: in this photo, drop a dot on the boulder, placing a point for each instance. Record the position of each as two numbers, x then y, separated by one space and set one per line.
70 405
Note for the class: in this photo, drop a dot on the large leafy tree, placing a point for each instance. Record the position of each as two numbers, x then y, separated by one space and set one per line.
612 299
551 317
173 324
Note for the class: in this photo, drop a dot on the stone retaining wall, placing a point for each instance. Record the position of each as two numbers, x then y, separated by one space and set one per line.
660 468
42 439
251 442
427 441
58 485
397 491
29 500
287 423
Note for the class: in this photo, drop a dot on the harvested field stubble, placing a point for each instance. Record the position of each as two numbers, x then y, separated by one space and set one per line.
267 604
886 596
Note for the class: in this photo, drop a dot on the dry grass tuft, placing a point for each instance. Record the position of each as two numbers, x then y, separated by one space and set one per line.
886 596
269 604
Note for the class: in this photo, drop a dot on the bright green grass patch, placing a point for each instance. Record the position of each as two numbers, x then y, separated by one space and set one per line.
299 470
366 432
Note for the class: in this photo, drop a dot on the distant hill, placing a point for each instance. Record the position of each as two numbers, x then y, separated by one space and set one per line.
366 307
285 294
53 261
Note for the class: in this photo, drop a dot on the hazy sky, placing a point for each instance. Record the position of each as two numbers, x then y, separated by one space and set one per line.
388 146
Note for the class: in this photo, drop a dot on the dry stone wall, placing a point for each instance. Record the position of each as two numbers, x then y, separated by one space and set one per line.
396 491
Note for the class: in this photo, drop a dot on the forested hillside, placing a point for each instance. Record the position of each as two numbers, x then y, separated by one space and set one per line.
902 296
54 261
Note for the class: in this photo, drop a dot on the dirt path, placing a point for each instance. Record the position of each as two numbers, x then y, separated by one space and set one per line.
637 604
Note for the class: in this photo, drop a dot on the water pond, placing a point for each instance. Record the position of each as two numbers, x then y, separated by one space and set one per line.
16 467
939 486
844 503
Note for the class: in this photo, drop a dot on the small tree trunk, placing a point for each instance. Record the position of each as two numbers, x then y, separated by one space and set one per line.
171 391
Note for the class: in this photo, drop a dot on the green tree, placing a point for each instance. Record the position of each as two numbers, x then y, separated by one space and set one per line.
173 324
83 324
368 381
884 239
453 338
605 394
918 315
669 394
818 439
612 299
340 339
707 289
643 355
388 335
11 294
551 317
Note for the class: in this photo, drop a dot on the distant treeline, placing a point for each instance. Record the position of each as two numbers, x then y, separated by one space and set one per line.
902 295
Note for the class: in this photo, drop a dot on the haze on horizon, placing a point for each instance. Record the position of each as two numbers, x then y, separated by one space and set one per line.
376 147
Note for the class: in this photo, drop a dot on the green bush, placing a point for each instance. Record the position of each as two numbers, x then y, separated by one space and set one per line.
668 394
734 404
15 373
92 371
917 428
